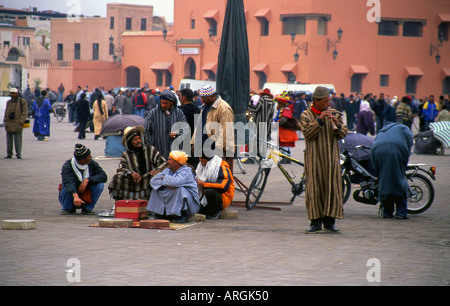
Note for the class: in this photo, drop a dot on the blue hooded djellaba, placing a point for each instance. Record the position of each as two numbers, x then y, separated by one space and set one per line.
41 109
389 156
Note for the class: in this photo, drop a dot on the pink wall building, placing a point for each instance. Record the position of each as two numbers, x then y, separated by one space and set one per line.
396 56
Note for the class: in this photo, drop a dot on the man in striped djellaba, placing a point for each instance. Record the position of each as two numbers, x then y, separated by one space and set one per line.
322 128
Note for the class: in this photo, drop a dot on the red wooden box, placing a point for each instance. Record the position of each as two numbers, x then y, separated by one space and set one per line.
131 209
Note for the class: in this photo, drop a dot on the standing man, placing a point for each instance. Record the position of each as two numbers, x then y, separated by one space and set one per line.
264 110
216 111
84 114
378 108
430 112
189 110
61 92
323 128
15 115
82 182
159 123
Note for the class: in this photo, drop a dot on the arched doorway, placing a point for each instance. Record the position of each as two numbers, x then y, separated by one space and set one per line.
133 76
190 69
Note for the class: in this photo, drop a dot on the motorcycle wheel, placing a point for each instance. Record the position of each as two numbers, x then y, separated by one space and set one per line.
346 188
422 195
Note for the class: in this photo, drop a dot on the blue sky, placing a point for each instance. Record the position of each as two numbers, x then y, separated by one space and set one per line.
90 7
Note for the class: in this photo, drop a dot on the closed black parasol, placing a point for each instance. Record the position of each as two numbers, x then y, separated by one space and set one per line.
233 71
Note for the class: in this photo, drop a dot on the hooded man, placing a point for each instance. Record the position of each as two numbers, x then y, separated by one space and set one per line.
136 167
160 123
175 195
82 182
41 110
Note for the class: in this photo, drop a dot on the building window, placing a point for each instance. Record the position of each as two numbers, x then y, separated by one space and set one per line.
322 26
356 82
295 25
443 31
60 50
388 28
212 27
264 23
291 78
76 51
446 86
111 23
192 24
159 77
143 24
411 84
262 79
384 80
211 75
128 23
95 51
168 78
412 29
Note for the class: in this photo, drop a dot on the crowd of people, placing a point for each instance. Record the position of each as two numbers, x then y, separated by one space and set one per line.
178 185
150 169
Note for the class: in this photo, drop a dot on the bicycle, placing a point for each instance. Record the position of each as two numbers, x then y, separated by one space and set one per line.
59 110
258 183
248 166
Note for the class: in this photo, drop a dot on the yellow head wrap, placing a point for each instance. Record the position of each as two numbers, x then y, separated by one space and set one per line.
179 156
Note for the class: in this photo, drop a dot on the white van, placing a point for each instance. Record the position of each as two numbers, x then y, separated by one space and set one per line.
194 84
278 88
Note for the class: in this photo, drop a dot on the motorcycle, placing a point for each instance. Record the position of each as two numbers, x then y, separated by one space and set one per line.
421 188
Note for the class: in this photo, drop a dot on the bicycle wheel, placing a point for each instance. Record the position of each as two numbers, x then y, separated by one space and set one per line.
244 171
346 188
256 188
422 194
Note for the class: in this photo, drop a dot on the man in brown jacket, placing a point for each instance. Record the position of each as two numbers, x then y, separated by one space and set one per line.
217 118
15 115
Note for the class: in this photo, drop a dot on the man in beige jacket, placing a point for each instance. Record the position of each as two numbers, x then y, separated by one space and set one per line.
15 115
217 121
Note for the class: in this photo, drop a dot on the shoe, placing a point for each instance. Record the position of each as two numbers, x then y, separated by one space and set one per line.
87 212
8 156
67 211
313 229
331 228
401 217
181 219
19 157
215 216
388 216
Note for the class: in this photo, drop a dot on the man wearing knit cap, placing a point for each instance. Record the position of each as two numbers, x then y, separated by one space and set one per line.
322 128
174 195
215 111
82 182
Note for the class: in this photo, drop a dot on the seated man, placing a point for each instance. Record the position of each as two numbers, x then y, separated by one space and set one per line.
216 186
82 182
137 166
175 194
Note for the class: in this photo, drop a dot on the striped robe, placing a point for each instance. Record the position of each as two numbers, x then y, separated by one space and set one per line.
323 195
123 186
158 125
